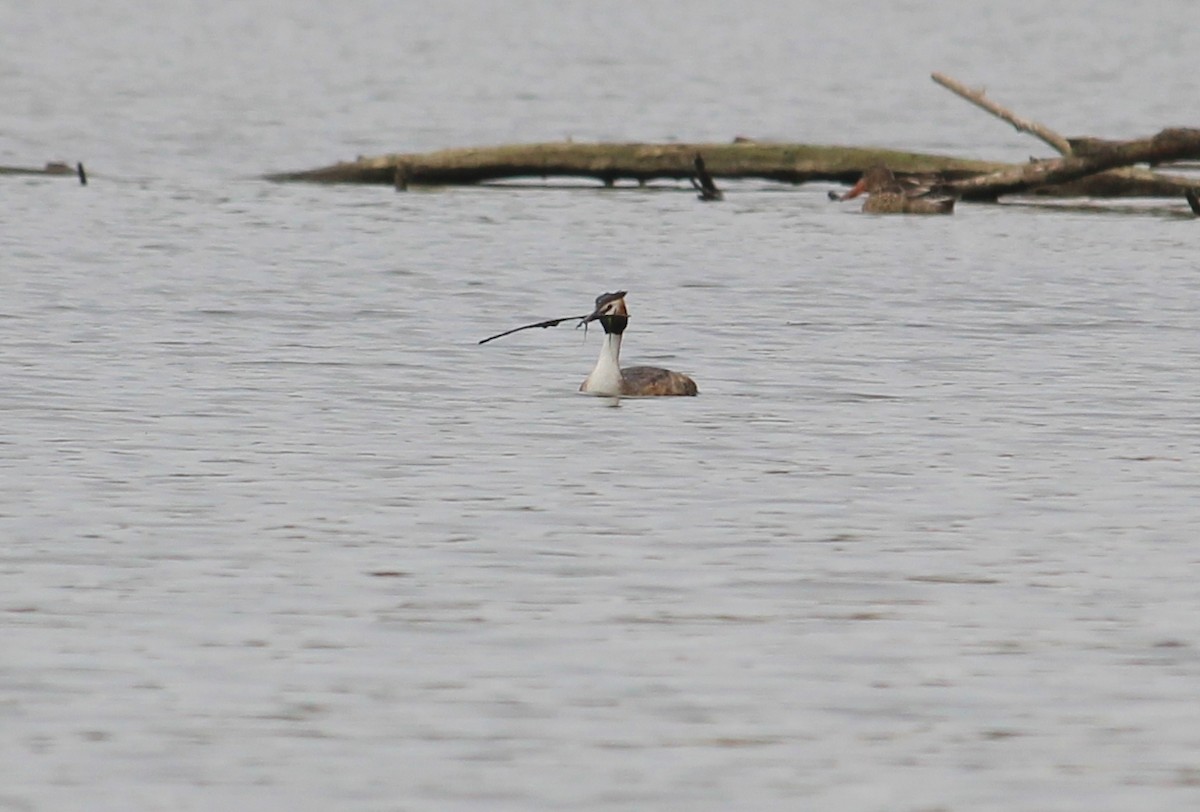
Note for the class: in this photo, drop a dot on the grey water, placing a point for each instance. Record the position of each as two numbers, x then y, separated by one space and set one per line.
276 533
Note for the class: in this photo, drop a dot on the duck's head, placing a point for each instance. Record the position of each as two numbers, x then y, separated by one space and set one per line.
875 178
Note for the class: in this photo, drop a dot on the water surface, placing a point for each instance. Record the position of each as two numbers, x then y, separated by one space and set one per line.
279 534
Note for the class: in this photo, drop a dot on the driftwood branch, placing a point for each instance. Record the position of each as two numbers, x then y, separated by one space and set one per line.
611 163
977 97
785 163
1193 201
1126 180
703 181
1087 167
52 168
1168 145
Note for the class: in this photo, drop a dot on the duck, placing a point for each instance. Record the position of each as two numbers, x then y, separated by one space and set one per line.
607 378
909 195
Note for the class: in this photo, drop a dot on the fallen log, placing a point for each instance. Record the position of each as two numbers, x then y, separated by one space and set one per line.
51 168
641 163
1127 181
1172 144
611 163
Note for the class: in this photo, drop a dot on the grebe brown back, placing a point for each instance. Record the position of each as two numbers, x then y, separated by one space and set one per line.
607 378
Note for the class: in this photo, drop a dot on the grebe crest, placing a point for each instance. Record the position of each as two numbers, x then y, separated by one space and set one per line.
607 378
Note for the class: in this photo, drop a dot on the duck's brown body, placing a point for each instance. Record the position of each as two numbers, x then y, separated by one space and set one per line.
887 195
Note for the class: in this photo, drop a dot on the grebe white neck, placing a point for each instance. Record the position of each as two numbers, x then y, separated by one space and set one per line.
605 378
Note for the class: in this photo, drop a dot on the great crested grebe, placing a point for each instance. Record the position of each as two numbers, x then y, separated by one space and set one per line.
607 378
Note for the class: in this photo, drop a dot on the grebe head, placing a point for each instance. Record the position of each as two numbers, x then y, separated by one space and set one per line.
610 312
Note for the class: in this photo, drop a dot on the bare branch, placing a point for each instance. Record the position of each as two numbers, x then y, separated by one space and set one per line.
977 97
1168 145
